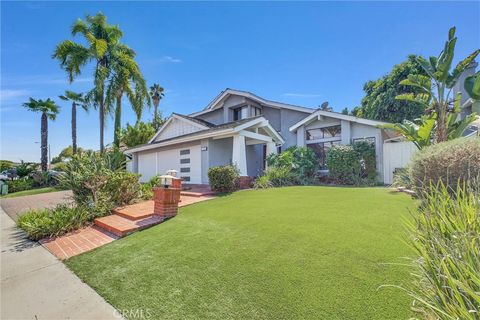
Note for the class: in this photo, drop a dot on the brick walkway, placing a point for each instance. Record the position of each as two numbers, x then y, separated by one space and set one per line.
140 216
14 207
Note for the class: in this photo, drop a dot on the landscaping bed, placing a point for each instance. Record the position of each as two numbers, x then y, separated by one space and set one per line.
282 253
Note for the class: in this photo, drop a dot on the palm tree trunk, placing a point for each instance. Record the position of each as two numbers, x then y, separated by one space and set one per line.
101 110
74 128
118 124
44 141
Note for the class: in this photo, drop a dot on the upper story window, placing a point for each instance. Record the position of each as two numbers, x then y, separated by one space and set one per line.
323 133
237 114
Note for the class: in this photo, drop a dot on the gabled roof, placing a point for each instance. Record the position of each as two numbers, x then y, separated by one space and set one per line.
216 130
336 115
199 123
217 102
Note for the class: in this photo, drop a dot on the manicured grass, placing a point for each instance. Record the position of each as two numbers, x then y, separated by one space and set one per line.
288 253
30 192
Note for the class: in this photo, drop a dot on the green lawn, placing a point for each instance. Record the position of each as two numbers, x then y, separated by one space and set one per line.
287 253
30 192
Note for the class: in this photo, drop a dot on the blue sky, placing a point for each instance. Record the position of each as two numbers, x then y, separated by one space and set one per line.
300 53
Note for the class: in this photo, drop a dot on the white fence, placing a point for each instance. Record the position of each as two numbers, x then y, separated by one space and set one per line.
396 155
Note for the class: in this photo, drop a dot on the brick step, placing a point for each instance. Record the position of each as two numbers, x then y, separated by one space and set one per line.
121 226
197 194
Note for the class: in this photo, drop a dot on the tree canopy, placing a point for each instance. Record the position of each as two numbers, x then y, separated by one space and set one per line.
379 102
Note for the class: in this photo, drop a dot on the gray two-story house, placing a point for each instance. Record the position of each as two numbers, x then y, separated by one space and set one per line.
241 128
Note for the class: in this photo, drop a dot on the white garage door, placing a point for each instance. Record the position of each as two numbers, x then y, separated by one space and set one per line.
186 160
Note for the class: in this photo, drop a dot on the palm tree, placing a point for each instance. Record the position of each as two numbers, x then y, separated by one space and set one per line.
49 110
127 79
103 40
436 88
78 100
156 93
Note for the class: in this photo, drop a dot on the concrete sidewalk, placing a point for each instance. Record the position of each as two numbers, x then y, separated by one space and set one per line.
36 285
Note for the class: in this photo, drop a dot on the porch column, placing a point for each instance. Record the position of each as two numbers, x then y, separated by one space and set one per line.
135 162
239 155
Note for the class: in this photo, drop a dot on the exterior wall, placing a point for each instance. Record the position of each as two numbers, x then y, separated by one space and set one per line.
158 161
287 119
215 116
220 152
254 160
177 128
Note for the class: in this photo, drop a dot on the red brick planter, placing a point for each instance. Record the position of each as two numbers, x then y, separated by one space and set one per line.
166 201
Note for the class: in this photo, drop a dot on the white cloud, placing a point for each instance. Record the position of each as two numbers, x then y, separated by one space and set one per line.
11 94
302 95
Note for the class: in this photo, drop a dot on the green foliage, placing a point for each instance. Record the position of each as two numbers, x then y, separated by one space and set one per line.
223 178
368 161
20 184
452 162
434 88
379 102
53 222
444 235
5 164
98 182
343 164
138 134
301 161
25 168
276 177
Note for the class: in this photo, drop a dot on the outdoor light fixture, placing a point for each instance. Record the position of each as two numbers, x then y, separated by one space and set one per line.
166 180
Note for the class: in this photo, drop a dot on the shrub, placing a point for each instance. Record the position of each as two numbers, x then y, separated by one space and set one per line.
20 184
94 184
344 164
445 235
276 177
223 178
301 161
450 162
53 222
368 161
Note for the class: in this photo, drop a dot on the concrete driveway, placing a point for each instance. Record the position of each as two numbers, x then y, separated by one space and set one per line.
36 285
14 207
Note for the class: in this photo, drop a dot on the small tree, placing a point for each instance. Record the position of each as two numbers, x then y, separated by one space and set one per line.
49 110
435 89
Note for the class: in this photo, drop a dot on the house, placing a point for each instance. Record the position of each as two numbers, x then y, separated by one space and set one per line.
241 128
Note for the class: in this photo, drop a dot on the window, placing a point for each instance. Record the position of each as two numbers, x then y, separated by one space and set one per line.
185 178
237 114
322 133
185 169
321 150
186 160
184 152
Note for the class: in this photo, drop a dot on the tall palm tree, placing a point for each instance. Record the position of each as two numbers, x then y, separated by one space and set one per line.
49 110
156 93
103 40
126 79
78 100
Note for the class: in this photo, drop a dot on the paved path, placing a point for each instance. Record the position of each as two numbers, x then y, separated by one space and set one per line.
14 207
35 285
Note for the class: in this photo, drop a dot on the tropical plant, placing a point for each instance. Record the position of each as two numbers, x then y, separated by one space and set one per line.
49 110
379 102
472 86
78 100
435 89
140 133
156 93
127 79
444 235
103 48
